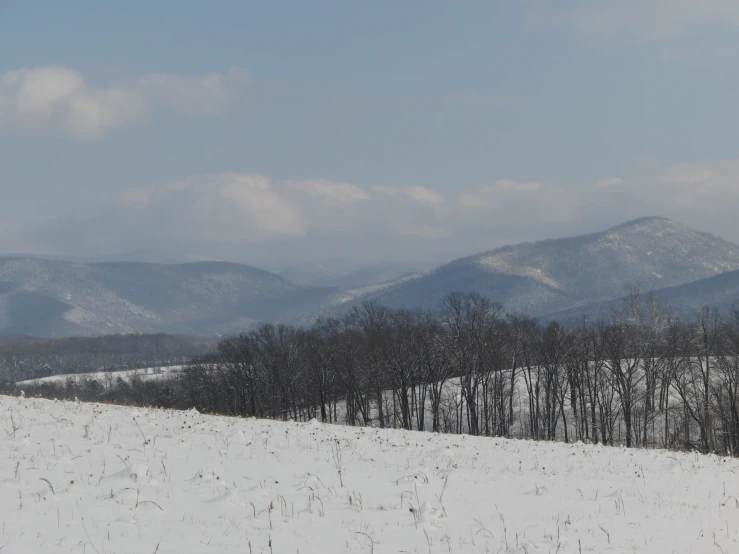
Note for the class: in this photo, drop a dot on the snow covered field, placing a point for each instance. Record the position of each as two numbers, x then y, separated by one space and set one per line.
108 378
101 479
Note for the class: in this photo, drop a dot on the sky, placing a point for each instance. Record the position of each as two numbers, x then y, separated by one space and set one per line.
282 132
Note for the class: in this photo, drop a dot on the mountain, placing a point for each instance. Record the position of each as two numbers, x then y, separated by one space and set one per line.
721 291
578 275
44 297
554 275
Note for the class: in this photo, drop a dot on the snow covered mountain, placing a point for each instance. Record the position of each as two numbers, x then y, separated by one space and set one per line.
550 276
54 298
57 298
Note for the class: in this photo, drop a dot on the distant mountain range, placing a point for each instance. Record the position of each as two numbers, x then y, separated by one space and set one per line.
564 278
551 276
54 298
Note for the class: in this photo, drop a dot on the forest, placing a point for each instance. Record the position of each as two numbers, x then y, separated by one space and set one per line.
638 378
30 357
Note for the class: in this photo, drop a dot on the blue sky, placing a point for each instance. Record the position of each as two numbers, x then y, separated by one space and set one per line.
270 131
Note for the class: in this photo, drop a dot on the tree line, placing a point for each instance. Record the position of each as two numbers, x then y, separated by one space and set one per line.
30 357
641 377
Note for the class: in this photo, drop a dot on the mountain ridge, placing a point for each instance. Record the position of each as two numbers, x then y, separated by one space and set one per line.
720 291
553 275
53 298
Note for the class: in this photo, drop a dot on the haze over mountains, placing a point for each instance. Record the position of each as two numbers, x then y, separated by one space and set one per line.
342 274
570 276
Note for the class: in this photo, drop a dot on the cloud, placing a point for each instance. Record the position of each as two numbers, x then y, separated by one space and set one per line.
702 194
137 197
229 208
420 194
507 203
711 188
252 215
424 195
210 95
61 99
612 182
648 18
331 193
248 217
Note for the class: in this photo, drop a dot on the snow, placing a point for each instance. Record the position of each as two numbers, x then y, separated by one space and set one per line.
108 377
100 479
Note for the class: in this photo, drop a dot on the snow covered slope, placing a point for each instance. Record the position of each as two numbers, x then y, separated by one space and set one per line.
100 479
553 275
52 298
108 378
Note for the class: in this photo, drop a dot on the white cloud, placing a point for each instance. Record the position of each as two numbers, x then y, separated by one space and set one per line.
257 217
516 186
425 195
254 204
713 187
230 208
137 197
420 194
254 213
59 98
210 95
612 182
387 190
508 203
702 194
331 193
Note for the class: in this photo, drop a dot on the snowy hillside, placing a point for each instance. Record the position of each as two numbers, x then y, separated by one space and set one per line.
108 378
101 479
52 298
554 275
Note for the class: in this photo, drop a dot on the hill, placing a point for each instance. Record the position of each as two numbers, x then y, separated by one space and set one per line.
553 275
55 298
721 291
101 478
